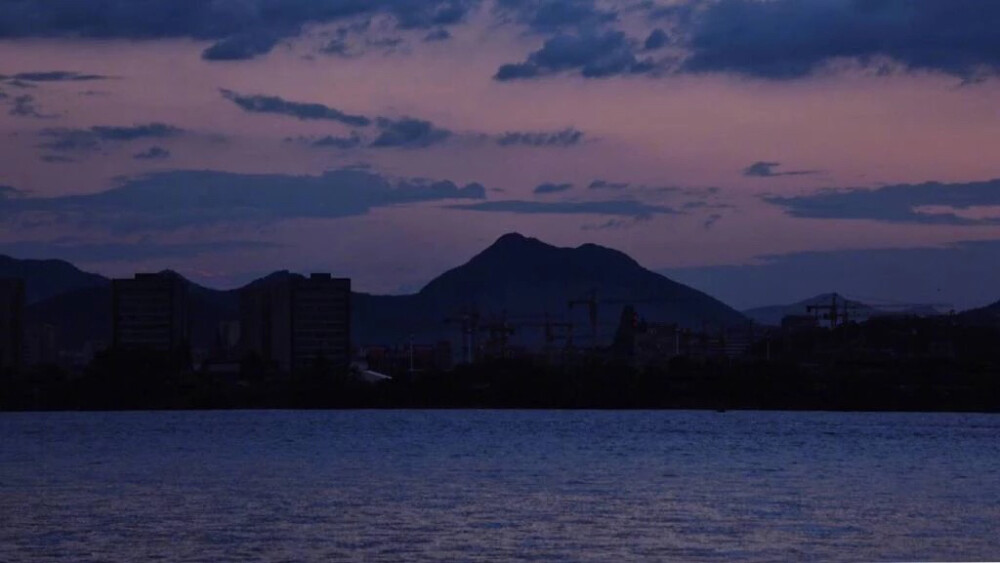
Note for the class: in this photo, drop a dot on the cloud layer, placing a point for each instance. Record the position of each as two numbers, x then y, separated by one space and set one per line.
62 139
242 28
300 110
622 208
782 39
74 250
929 203
171 200
592 54
565 138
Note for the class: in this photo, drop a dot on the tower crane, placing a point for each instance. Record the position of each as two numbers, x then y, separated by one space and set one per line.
833 310
591 301
468 321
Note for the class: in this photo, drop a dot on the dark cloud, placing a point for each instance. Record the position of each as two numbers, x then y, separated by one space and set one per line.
657 40
403 132
701 204
555 15
610 224
54 76
783 39
330 141
10 192
438 35
616 224
171 200
952 273
417 190
133 132
622 208
565 138
91 139
408 132
549 188
711 220
387 43
152 153
127 252
300 110
767 170
605 185
24 106
245 45
593 54
241 28
901 203
338 47
429 13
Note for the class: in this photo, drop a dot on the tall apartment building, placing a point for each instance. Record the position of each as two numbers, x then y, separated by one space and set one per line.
295 321
150 312
11 325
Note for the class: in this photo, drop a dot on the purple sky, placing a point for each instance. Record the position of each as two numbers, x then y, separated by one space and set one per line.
391 140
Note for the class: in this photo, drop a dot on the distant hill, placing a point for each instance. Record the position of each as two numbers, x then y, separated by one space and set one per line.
516 278
84 315
772 315
520 277
48 278
988 315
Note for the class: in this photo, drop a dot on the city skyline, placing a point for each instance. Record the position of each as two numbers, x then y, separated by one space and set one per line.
388 144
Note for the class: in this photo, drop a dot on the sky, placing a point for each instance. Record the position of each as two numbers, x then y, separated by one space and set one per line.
763 151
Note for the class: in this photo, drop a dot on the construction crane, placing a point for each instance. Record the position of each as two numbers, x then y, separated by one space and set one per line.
838 313
468 321
499 332
553 330
591 301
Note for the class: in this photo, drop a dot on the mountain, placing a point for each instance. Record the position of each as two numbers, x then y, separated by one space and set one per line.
772 315
44 279
520 277
517 278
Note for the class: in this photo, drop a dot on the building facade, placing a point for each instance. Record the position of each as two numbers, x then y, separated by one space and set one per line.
11 325
297 322
150 312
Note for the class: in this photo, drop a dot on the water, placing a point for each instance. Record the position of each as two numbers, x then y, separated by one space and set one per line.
498 485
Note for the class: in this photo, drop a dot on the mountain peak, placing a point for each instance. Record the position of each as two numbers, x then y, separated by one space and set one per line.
515 240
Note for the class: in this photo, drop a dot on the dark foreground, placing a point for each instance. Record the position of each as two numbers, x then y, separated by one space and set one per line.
903 386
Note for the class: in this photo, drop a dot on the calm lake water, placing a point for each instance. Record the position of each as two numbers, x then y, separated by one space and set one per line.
498 485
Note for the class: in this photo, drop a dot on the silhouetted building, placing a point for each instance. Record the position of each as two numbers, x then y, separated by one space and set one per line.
296 322
227 339
11 325
150 312
41 345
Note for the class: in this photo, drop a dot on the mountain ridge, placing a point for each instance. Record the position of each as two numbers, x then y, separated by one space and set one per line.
514 277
